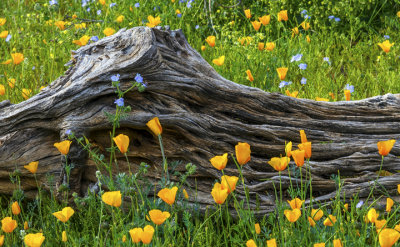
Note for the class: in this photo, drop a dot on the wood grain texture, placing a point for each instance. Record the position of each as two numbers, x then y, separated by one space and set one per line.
202 114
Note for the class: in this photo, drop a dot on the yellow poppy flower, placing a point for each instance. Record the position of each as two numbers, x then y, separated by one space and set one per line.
60 24
34 239
64 237
219 61
242 150
306 146
8 224
385 45
108 31
282 15
247 13
8 61
32 167
260 46
305 25
122 142
219 162
26 93
185 194
82 41
330 221
311 221
295 203
384 147
2 89
269 46
257 228
3 21
251 243
16 210
389 204
63 147
256 25
380 224
3 34
279 164
298 157
292 215
249 75
219 193
153 21
337 243
64 214
295 31
158 217
282 73
112 198
147 234
229 183
17 58
210 41
293 94
265 19
11 82
168 195
136 234
155 126
347 95
271 242
388 237
316 214
321 99
120 19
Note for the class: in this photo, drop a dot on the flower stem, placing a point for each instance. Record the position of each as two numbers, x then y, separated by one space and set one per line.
164 158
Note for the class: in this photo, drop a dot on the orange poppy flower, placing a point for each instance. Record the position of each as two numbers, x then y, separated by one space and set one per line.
384 147
155 126
242 150
282 73
219 162
168 195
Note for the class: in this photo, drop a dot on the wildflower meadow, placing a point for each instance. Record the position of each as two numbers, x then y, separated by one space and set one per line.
332 51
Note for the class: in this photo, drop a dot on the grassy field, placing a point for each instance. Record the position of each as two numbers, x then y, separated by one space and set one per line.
333 54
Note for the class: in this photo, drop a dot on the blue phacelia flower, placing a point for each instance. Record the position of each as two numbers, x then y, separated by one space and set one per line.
94 39
296 58
303 81
326 59
349 87
303 66
119 102
115 77
139 78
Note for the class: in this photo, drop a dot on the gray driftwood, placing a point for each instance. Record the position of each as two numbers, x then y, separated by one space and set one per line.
202 115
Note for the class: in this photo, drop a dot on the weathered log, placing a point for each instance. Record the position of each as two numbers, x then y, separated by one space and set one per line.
202 115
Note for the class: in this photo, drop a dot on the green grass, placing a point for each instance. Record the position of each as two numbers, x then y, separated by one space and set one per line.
355 59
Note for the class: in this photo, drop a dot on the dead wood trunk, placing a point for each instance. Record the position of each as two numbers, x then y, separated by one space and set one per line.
202 115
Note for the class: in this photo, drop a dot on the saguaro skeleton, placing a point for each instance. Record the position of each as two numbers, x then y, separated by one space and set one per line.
202 115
